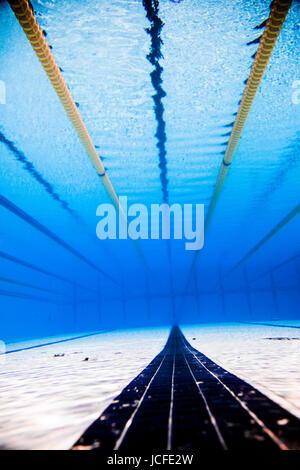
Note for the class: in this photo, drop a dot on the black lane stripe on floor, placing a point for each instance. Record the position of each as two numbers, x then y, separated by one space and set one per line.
157 415
184 401
190 407
234 423
56 342
280 425
270 324
108 429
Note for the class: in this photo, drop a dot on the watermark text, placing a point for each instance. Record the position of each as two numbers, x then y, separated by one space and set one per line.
159 221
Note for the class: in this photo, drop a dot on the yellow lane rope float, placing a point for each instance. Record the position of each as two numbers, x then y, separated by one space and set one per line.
266 238
31 28
278 13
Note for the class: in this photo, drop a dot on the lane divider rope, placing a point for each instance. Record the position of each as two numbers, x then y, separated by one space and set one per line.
31 28
277 16
272 30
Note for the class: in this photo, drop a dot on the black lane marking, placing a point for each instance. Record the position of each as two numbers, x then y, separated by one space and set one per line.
194 426
270 324
14 209
207 407
275 420
30 168
107 429
154 57
33 267
30 286
20 295
55 342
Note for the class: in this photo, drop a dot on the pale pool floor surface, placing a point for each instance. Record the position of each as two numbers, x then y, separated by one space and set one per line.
50 395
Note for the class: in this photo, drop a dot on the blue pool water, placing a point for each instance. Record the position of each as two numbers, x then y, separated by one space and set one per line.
157 85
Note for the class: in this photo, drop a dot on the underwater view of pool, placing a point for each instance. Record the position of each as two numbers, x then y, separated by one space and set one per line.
149 180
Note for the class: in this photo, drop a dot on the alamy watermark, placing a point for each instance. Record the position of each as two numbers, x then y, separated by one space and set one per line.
160 221
2 92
